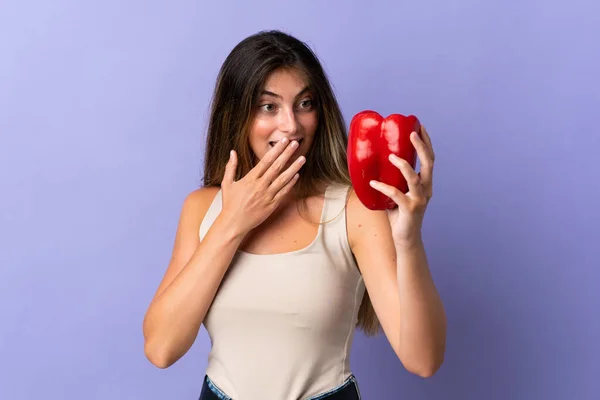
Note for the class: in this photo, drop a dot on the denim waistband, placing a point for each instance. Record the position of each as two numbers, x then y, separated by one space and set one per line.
346 391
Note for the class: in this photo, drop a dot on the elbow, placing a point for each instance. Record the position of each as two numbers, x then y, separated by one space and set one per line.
155 349
424 358
158 356
426 370
164 349
423 365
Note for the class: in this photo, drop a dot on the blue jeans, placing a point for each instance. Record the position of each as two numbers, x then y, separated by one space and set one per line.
346 391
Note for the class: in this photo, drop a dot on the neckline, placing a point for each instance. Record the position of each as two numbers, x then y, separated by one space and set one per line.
303 249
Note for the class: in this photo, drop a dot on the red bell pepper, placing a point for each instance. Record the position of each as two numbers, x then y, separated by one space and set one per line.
371 139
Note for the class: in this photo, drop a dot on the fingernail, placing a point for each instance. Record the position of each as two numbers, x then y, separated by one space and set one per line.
301 159
284 140
294 144
394 157
230 154
373 183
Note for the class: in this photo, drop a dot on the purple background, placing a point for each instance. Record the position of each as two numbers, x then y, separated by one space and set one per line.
103 109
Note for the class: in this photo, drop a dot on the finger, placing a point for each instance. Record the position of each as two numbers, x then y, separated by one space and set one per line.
277 166
230 168
390 191
427 139
424 158
269 158
285 176
285 189
412 178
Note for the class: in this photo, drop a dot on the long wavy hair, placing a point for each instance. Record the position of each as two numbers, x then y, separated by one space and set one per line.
239 83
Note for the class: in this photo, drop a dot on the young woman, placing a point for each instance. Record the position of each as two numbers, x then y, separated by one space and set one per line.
278 257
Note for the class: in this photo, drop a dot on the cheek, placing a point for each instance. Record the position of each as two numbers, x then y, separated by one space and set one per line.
309 124
261 129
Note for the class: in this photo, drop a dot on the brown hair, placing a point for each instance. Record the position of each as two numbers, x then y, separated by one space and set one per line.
239 83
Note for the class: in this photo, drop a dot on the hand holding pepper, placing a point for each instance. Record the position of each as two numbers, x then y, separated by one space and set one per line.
406 219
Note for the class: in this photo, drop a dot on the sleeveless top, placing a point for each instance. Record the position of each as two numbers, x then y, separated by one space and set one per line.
282 325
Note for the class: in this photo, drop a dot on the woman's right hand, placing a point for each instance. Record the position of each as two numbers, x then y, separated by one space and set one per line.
249 201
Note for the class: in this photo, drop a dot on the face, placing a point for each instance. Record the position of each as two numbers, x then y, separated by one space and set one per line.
285 109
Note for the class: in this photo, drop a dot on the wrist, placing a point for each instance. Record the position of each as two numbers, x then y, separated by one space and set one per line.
229 229
412 242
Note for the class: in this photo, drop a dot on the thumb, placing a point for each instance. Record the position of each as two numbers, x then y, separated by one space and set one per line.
230 168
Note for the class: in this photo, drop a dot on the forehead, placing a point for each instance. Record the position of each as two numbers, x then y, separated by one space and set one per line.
286 80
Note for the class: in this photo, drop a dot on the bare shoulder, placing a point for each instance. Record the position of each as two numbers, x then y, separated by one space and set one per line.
365 225
202 195
187 236
194 208
197 202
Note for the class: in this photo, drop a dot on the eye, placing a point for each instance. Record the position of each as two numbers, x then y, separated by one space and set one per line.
267 107
306 104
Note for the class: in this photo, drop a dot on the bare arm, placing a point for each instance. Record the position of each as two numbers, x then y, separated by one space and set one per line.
392 258
401 288
194 274
423 320
197 268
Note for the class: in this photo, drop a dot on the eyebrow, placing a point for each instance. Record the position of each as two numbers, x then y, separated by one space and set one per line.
268 93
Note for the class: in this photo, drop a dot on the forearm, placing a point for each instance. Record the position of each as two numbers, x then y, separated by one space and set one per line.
423 321
174 317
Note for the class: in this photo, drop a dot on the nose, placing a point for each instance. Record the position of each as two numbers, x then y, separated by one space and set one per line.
288 122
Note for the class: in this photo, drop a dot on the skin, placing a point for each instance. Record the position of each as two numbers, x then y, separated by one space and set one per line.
391 255
285 111
260 216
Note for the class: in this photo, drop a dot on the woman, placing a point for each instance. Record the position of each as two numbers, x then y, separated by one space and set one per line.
278 257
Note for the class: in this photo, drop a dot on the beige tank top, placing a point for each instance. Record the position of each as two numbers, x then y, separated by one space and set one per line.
282 325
